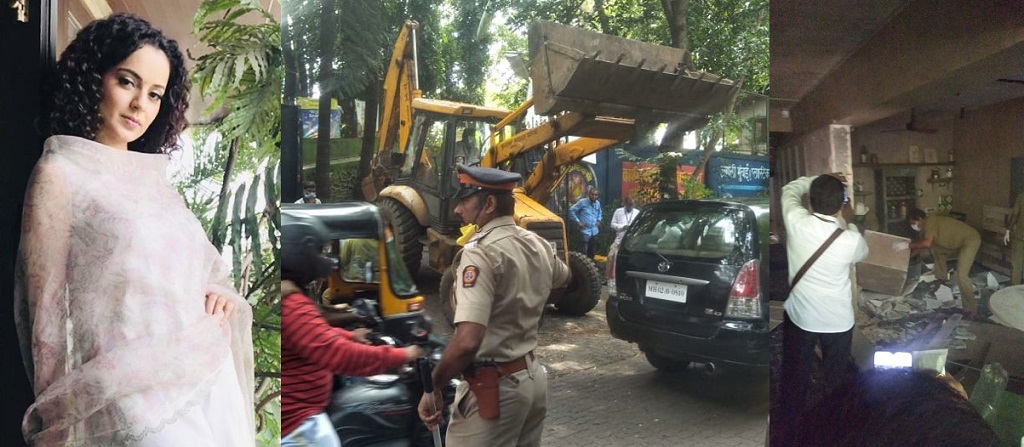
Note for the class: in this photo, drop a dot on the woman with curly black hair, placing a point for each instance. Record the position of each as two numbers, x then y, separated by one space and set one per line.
132 331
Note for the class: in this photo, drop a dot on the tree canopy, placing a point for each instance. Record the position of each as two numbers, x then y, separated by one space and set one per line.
458 44
725 37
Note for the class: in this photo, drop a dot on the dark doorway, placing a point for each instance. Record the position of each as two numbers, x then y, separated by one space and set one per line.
26 57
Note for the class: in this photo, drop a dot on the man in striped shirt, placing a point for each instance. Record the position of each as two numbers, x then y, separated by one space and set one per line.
312 351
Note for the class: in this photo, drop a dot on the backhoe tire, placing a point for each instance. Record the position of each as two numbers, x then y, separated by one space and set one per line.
407 232
445 295
584 291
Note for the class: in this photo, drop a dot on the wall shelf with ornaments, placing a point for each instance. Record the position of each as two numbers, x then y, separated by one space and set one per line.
941 181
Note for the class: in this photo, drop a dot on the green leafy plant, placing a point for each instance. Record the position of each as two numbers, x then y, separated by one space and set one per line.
242 77
252 239
656 175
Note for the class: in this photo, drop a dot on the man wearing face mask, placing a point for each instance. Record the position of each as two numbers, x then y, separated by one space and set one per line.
504 276
308 193
948 237
311 350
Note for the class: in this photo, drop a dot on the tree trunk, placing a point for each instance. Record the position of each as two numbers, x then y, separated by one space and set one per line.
323 140
672 140
291 67
602 17
349 120
675 15
369 129
715 137
303 75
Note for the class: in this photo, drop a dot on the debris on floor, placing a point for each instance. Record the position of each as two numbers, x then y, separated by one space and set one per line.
914 319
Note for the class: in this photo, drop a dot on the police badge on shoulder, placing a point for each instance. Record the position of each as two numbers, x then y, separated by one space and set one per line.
469 276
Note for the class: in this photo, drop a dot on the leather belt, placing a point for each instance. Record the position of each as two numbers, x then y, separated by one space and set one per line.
514 366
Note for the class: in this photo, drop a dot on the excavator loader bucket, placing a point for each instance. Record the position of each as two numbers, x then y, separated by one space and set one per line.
584 71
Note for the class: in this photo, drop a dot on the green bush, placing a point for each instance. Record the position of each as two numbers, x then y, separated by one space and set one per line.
341 148
345 184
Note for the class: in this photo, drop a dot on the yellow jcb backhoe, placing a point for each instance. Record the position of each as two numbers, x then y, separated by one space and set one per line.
595 87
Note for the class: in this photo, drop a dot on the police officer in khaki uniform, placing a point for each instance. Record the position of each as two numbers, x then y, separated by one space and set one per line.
501 286
1015 239
948 237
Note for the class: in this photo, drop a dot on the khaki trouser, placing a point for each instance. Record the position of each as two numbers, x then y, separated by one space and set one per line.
965 258
1017 260
523 407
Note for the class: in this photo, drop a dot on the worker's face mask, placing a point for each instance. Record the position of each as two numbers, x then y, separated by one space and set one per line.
309 195
915 227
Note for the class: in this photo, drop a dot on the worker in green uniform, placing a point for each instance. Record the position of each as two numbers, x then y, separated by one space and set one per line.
1015 239
948 237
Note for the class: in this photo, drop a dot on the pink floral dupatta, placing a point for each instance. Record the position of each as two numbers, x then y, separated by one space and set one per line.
111 280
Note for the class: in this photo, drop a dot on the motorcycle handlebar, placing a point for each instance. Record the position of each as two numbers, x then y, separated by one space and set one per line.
429 342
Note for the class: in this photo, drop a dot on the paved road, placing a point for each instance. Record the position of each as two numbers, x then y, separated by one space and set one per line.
602 391
629 403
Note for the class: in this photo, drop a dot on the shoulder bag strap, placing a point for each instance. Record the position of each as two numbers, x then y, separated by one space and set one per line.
815 256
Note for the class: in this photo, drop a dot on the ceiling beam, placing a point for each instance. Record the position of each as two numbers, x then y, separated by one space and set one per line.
929 50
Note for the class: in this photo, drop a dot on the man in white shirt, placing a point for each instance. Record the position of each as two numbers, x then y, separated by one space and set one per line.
621 220
819 310
620 223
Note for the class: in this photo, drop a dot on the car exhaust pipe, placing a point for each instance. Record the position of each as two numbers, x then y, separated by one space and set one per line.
708 368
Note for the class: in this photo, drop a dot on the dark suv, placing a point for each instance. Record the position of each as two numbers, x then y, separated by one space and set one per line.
690 284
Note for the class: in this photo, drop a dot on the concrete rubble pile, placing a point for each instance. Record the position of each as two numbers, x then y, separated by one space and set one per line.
898 321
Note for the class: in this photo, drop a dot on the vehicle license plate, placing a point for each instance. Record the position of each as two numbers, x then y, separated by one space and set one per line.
666 291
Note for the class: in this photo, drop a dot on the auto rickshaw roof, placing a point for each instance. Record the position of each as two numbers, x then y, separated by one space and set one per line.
344 220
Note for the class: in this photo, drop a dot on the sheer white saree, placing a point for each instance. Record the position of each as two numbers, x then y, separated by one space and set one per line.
112 275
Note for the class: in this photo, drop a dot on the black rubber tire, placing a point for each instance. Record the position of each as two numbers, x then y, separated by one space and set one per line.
444 294
584 290
664 363
407 232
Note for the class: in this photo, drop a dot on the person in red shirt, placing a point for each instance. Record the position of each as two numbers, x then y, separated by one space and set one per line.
312 351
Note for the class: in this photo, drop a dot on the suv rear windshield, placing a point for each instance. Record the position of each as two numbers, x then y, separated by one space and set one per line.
699 232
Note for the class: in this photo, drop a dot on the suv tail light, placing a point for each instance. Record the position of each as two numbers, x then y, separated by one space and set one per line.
745 296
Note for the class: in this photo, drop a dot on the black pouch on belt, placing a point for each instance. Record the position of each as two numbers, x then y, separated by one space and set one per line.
483 382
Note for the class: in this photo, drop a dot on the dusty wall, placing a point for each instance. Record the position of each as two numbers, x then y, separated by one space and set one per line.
984 142
894 148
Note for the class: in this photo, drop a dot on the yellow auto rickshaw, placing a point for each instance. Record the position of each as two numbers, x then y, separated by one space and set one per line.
369 263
